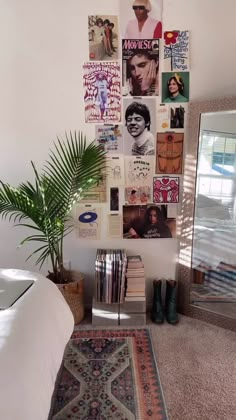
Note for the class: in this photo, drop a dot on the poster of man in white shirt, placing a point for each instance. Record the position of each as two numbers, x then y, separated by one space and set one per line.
141 19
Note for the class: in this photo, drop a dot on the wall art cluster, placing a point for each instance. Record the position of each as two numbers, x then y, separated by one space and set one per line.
136 93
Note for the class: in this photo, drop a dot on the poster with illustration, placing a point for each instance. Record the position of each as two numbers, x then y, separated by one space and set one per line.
138 194
141 19
103 37
175 87
171 117
176 51
169 153
102 92
139 116
88 222
109 138
139 170
165 189
140 67
115 171
148 222
96 194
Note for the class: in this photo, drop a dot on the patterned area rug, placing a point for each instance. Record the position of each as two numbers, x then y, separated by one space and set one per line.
109 375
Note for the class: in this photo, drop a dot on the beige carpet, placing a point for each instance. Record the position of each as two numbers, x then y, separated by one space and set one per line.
197 366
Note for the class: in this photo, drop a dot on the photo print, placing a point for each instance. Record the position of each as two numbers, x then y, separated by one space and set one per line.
114 199
102 92
109 138
140 67
176 51
171 117
169 153
175 87
147 222
138 195
139 170
140 126
166 189
103 37
88 222
141 19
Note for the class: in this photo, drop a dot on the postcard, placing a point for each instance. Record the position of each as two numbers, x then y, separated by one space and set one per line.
175 87
103 37
88 222
165 189
171 116
169 153
139 170
109 138
176 51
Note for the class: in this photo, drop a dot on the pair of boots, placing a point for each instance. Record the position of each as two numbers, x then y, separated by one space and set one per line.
157 313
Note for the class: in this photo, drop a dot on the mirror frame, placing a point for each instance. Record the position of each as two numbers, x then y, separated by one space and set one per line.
186 219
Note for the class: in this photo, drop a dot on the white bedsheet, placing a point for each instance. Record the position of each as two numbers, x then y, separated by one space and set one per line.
33 336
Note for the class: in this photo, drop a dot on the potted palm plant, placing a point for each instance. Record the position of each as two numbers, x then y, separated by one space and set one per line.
45 206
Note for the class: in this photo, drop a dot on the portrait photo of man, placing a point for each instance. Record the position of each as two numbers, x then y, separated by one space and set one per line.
141 19
139 128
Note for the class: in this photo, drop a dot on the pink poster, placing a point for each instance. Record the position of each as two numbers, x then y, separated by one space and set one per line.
166 189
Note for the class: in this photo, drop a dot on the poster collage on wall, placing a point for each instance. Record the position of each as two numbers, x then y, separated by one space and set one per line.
136 93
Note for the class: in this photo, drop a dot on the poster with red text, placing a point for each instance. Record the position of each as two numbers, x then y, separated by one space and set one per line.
102 92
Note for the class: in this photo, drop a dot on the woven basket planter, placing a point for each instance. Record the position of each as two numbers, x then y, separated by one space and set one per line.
73 293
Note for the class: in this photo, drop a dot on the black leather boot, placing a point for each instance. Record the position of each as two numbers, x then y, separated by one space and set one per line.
171 301
157 314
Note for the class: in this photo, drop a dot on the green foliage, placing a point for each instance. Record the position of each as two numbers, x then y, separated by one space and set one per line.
71 170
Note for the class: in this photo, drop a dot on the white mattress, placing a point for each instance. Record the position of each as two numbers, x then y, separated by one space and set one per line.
33 335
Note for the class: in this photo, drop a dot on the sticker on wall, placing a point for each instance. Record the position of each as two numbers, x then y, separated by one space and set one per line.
175 87
109 138
140 126
88 221
171 117
102 92
147 222
176 51
103 37
149 11
140 67
139 170
166 189
169 153
115 171
138 195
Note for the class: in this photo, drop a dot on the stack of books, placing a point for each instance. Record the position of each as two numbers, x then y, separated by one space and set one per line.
135 279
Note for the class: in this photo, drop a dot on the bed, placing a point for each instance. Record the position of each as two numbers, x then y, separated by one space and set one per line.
33 334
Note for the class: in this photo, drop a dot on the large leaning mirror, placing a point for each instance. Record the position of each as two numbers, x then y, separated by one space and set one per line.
207 258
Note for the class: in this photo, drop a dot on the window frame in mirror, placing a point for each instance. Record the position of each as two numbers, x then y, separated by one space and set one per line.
186 218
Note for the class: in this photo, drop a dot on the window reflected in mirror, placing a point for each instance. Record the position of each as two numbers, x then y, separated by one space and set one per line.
214 231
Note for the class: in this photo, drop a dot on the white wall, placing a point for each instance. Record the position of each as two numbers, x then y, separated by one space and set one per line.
42 46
